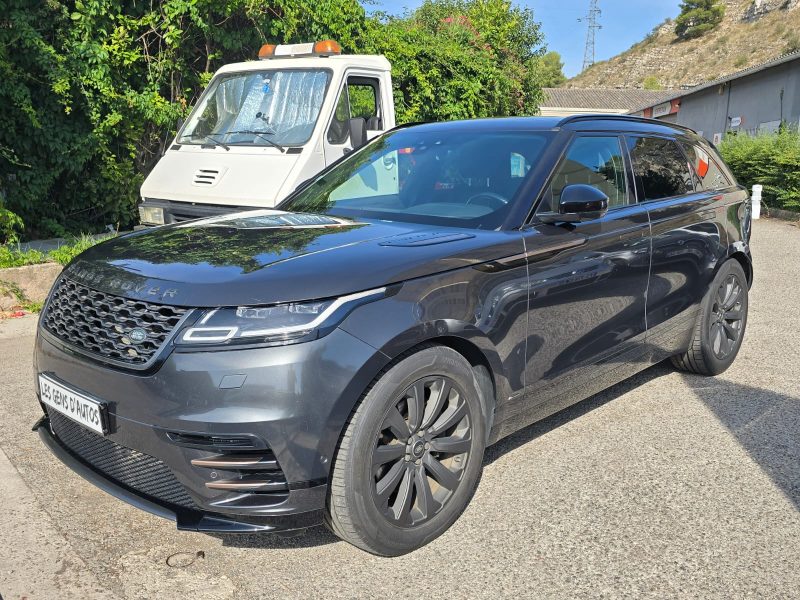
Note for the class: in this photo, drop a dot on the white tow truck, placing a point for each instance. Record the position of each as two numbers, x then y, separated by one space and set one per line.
261 128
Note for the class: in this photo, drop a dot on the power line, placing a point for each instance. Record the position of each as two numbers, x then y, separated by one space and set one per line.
592 27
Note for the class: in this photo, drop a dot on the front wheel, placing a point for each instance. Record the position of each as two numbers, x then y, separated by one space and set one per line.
720 326
410 457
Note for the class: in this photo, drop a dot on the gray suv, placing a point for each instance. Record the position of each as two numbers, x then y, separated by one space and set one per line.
346 358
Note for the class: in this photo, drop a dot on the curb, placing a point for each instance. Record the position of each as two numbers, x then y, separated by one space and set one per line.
29 284
784 215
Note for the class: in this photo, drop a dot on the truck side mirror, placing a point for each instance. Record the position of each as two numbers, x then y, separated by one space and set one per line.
357 126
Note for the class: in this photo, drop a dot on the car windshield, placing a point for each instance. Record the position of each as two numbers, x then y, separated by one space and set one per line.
464 178
258 107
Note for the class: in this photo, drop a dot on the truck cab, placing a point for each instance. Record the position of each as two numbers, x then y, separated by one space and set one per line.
261 128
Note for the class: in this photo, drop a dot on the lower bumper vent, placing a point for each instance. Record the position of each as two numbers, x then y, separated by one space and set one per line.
131 468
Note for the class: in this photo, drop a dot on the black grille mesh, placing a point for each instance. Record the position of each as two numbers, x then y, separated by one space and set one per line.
101 323
134 469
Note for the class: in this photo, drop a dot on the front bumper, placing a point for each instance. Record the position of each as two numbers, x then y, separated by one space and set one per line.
185 518
288 403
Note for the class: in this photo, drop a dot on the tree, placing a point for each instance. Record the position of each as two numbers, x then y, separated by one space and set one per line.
698 17
91 90
551 70
461 59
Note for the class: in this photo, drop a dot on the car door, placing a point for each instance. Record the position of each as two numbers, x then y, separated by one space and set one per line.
587 282
360 96
687 229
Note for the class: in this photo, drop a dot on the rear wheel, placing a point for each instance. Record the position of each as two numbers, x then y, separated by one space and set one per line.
720 327
411 454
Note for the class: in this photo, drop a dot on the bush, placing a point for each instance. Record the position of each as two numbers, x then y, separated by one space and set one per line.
11 256
15 257
651 83
772 160
698 17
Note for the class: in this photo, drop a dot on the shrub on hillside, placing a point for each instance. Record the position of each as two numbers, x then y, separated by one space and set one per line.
772 160
698 17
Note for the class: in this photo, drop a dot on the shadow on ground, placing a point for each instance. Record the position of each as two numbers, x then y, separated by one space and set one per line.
766 424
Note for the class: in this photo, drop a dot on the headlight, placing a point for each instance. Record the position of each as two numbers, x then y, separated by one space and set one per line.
151 215
278 324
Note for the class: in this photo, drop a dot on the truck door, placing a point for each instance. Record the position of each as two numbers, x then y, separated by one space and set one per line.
360 96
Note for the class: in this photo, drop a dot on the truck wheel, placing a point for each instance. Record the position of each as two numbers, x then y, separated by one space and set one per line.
720 326
411 454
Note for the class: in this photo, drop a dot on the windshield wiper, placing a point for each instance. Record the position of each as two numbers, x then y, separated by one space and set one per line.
261 134
209 137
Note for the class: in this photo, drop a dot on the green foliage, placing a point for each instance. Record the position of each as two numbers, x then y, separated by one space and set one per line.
551 69
10 225
66 252
772 160
651 83
698 17
11 256
16 257
91 89
461 59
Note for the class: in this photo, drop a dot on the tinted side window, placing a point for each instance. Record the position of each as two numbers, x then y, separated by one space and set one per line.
660 168
595 161
708 171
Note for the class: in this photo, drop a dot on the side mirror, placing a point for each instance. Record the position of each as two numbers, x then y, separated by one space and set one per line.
357 127
579 202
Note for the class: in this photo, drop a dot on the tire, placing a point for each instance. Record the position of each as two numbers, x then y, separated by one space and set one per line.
405 470
720 325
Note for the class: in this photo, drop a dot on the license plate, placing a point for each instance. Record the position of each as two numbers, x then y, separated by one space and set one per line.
73 404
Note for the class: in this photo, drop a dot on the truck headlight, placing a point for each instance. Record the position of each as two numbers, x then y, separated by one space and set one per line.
151 215
279 324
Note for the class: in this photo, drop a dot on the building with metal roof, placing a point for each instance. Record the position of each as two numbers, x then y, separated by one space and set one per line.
756 99
562 102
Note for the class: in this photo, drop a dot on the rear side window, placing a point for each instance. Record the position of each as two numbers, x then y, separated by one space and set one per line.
660 168
595 161
708 171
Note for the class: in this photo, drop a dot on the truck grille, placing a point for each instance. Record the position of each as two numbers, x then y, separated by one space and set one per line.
136 470
102 323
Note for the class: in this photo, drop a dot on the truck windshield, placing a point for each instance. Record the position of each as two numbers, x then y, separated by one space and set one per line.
462 178
255 108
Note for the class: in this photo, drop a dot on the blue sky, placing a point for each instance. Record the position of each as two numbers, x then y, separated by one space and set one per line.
624 22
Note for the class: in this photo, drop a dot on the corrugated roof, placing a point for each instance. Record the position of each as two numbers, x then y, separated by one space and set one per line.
785 58
602 98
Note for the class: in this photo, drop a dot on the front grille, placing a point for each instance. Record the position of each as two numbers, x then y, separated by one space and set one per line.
136 470
102 323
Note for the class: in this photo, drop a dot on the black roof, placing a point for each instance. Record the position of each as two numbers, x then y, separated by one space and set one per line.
600 121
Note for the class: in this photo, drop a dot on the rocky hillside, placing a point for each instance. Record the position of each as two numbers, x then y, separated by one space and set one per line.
753 31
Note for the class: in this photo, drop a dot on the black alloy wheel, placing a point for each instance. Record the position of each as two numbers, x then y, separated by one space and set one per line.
726 322
410 456
721 324
420 454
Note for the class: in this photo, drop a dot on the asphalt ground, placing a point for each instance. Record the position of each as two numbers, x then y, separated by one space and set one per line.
667 485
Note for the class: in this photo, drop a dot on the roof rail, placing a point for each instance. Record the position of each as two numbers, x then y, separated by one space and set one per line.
591 117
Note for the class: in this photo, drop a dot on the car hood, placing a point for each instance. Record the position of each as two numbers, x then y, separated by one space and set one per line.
269 256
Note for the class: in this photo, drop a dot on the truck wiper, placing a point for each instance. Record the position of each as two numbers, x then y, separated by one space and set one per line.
209 137
261 134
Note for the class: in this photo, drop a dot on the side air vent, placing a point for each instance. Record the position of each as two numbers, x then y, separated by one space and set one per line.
206 177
